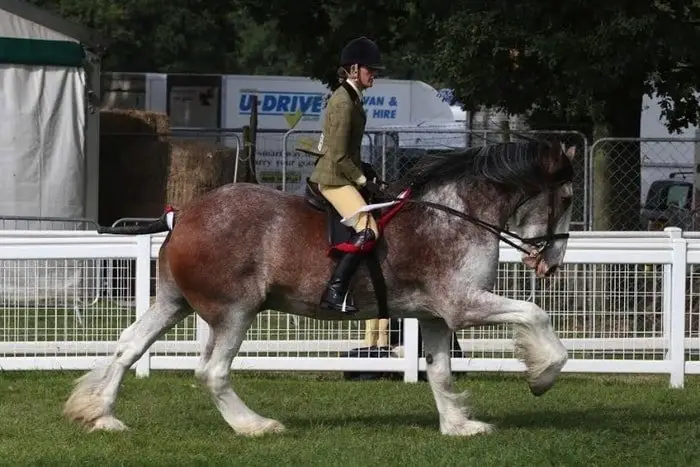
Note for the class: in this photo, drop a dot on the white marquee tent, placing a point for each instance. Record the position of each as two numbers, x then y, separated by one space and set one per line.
49 146
49 69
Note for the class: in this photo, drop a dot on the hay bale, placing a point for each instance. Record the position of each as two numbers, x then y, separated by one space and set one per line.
132 121
142 169
197 167
134 158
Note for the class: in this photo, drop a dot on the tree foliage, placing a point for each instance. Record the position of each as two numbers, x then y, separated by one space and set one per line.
181 36
316 32
574 59
579 64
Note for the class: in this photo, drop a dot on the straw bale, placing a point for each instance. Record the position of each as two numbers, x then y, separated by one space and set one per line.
197 167
134 158
123 121
142 168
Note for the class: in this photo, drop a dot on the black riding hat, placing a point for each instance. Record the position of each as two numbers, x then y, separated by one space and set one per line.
362 51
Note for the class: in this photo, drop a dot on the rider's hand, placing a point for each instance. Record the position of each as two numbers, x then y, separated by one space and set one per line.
376 192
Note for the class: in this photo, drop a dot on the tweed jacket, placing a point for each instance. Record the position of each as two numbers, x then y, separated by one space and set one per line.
340 144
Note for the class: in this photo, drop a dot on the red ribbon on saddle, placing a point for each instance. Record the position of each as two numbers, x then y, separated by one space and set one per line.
385 218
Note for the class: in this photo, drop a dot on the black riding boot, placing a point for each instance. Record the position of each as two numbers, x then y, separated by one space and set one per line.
336 296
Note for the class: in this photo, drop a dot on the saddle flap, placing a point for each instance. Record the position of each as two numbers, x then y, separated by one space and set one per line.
313 197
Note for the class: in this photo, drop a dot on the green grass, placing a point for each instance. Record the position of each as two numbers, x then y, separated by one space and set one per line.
584 420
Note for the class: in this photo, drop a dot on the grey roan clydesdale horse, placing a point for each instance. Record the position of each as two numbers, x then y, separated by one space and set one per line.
243 248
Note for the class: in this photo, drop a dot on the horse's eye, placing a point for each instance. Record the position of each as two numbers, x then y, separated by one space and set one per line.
566 202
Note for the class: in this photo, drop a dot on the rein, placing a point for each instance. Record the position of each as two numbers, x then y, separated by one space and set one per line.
540 242
499 232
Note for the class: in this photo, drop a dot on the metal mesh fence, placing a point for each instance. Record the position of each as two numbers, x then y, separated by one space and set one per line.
45 223
601 311
121 273
692 317
52 284
41 313
612 311
642 183
620 183
280 165
178 341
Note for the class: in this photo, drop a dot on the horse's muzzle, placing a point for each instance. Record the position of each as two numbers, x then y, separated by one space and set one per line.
537 262
550 269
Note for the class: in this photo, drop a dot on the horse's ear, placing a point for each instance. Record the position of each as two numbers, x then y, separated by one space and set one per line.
570 153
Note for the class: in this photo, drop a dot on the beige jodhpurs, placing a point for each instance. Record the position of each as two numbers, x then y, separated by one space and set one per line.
347 200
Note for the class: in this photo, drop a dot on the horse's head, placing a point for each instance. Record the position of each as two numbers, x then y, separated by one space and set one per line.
543 218
525 184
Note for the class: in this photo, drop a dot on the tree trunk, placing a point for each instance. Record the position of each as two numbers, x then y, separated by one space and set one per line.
616 196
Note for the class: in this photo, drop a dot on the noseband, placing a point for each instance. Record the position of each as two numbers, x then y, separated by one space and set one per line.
542 242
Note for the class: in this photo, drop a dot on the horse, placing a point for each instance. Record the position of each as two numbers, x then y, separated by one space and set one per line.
243 248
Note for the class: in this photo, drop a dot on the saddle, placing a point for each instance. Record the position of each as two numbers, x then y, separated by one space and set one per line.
338 236
337 232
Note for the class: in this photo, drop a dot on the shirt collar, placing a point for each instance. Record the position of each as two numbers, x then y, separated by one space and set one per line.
355 87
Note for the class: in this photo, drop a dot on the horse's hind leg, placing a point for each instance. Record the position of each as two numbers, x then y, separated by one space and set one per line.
454 416
225 339
92 400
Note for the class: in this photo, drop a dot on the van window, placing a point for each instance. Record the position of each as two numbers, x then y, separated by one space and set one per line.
661 195
679 195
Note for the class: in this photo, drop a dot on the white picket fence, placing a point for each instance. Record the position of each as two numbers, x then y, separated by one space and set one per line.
625 302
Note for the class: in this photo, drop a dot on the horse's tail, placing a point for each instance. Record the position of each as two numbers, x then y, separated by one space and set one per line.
164 223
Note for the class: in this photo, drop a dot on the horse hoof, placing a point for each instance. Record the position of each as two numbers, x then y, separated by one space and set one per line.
265 427
108 423
545 381
468 428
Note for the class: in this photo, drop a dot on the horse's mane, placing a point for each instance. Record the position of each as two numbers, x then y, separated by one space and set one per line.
524 166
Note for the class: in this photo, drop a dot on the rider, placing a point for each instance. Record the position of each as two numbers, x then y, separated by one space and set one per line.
338 172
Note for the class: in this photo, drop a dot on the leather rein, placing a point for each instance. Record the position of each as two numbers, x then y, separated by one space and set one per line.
540 243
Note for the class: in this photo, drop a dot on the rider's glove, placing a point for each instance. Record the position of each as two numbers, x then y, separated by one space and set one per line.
376 192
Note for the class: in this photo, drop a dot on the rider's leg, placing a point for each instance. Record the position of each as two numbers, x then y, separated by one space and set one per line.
382 332
347 200
371 332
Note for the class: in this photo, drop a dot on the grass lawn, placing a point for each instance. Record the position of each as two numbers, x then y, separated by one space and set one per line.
584 420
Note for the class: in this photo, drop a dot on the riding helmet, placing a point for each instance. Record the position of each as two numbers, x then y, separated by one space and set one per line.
361 51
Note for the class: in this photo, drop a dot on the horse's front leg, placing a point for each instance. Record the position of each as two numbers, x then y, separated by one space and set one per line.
454 414
536 345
